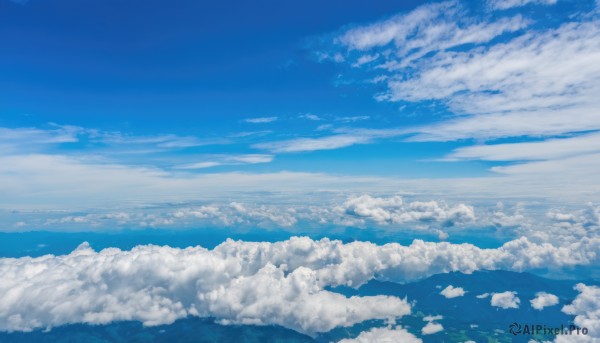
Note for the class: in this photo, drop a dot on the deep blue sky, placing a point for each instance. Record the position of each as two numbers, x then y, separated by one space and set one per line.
489 98
129 65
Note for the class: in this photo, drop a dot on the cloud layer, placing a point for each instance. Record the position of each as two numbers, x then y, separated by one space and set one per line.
158 285
263 283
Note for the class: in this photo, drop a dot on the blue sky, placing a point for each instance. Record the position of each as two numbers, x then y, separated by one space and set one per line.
269 151
110 106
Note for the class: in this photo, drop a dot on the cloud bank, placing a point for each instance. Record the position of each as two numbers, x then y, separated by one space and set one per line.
280 283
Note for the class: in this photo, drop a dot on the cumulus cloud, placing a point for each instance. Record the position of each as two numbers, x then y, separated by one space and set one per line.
452 292
282 283
158 285
394 210
431 328
586 309
384 335
543 299
505 300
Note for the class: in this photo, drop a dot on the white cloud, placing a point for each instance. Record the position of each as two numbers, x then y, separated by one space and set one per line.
159 142
313 144
506 4
200 165
222 160
158 285
394 210
505 300
543 299
19 140
280 283
522 82
310 116
586 309
541 150
452 292
353 118
427 28
482 296
384 335
432 318
504 81
534 77
68 182
431 328
261 120
343 137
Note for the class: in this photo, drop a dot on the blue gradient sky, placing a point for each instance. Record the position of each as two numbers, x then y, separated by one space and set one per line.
105 104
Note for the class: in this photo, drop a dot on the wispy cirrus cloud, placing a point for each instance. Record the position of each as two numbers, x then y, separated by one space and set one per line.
224 160
529 151
506 4
313 144
261 120
500 75
535 82
341 138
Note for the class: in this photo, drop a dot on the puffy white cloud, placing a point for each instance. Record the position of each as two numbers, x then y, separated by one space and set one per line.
501 218
543 299
505 300
567 225
482 296
393 210
452 292
247 282
586 309
158 285
431 328
384 335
